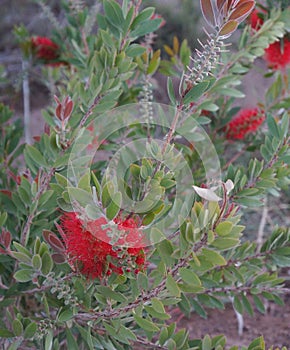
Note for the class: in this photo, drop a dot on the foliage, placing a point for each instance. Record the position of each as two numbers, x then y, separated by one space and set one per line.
122 162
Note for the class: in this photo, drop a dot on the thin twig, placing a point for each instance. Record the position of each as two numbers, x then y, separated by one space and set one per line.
47 286
262 225
26 101
43 187
90 111
239 289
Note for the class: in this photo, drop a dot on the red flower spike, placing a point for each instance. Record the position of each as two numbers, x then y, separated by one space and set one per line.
91 255
46 50
277 55
245 122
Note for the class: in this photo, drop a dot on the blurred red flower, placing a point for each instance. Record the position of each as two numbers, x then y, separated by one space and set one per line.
277 55
46 50
255 20
89 251
245 122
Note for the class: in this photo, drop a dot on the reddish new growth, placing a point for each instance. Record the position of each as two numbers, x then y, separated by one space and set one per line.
157 16
277 55
46 50
90 251
245 122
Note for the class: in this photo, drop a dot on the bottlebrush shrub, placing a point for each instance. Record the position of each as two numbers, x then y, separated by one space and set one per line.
124 208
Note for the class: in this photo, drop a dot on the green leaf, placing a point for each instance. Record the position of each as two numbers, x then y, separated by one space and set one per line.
3 218
135 50
35 156
45 197
260 306
157 305
163 336
208 106
47 263
145 324
113 13
189 276
225 243
224 228
257 344
214 257
71 342
126 334
185 53
165 250
147 219
272 126
146 27
30 330
17 327
114 207
4 333
81 196
36 262
172 286
153 65
142 281
249 202
170 91
238 305
195 92
143 16
48 340
167 183
84 182
247 305
21 257
231 92
107 191
61 180
65 315
23 275
159 315
22 249
86 335
109 293
206 343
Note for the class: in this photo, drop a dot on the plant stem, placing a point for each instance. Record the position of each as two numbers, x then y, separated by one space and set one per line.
43 187
26 101
262 225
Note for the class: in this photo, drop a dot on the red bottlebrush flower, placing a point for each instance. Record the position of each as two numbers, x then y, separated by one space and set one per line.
46 50
88 248
255 20
277 55
245 122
